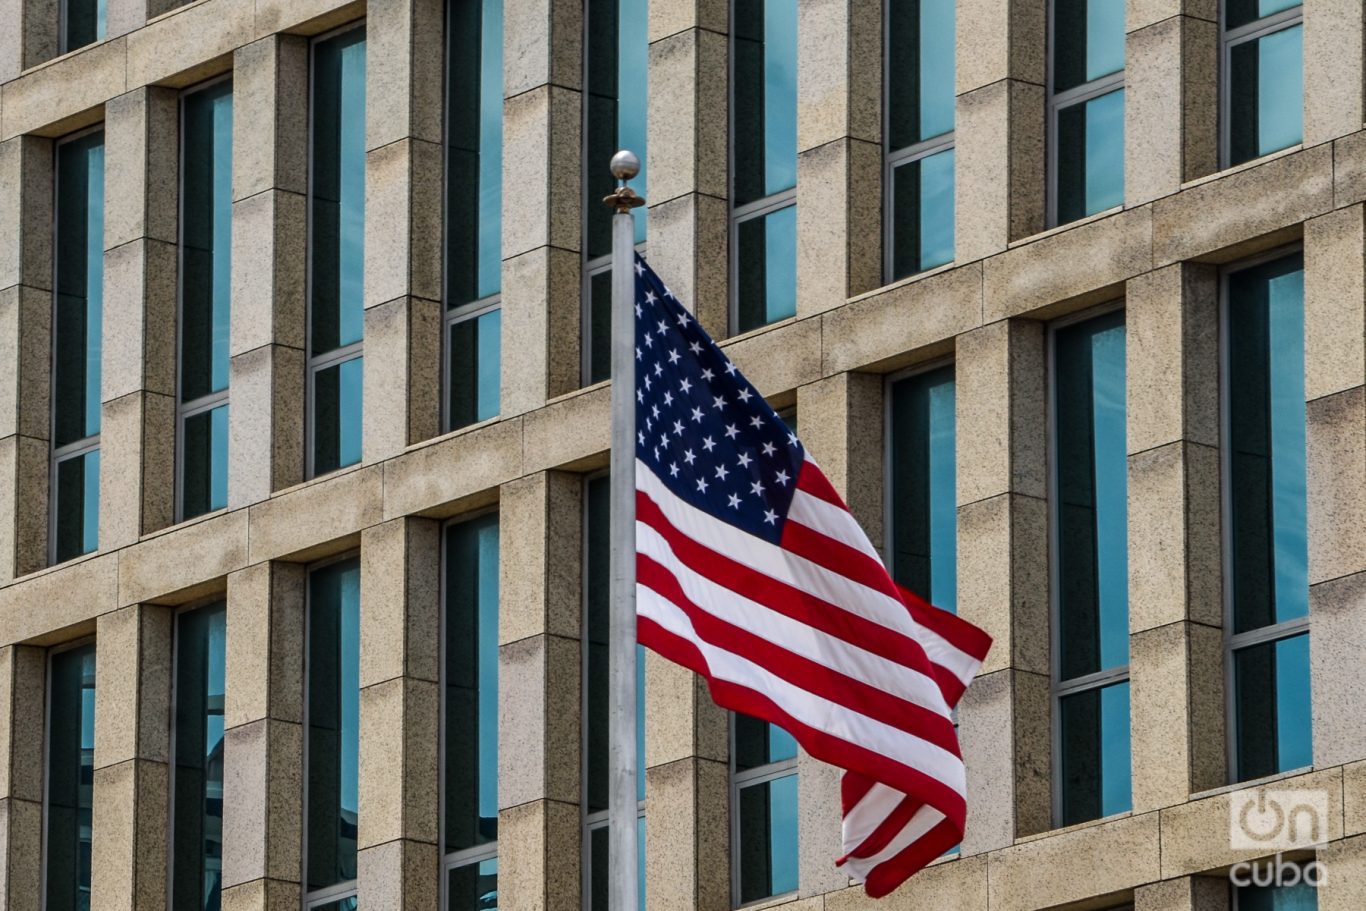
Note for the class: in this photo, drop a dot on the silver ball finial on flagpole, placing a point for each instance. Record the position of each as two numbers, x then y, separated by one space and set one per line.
625 165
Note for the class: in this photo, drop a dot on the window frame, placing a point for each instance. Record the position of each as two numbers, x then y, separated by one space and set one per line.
1058 688
47 749
737 782
1230 38
1286 629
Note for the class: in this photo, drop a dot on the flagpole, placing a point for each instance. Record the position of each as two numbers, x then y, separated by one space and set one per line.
622 801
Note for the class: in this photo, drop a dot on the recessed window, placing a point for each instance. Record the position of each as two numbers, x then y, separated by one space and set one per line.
205 292
1299 897
764 162
77 346
82 23
1091 576
924 510
70 778
763 809
1263 54
920 118
474 209
336 312
1086 108
1265 491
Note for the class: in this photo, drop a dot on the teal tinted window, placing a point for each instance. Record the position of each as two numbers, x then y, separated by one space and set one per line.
204 454
766 256
1095 767
475 361
1243 12
333 728
617 61
77 499
1272 707
1091 157
83 22
924 520
1088 41
337 392
598 360
1266 94
473 886
920 70
1086 108
470 685
197 798
1299 897
922 214
766 853
764 93
70 778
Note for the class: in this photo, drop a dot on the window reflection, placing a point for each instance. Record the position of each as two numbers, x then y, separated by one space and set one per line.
70 778
197 799
924 520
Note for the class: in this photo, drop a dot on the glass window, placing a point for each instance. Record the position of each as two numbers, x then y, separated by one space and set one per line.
597 623
1090 518
924 520
78 320
1086 108
205 292
83 22
474 208
764 801
1299 897
336 250
1266 482
332 730
197 758
618 43
764 155
920 116
1264 77
470 704
70 778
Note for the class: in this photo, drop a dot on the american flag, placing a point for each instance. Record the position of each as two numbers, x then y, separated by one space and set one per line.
752 572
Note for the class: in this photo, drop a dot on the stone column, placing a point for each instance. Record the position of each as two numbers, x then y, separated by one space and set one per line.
132 755
1333 69
539 778
1187 893
841 421
999 125
839 159
542 211
23 675
1171 100
263 741
400 708
687 159
137 414
403 228
30 36
1175 569
1003 579
269 251
1335 438
25 352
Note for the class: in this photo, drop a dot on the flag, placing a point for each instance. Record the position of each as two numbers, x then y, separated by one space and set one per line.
752 572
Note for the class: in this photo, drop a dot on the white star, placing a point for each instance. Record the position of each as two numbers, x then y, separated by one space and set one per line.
718 402
654 410
649 342
702 484
640 396
707 443
668 398
640 269
656 453
649 424
721 472
678 428
731 432
673 356
689 457
647 382
734 501
659 368
650 297
745 460
791 439
686 385
781 478
683 318
668 293
640 435
758 488
769 449
663 326
663 441
730 369
770 517
695 347
756 421
707 374
697 415
745 395
673 469
637 352
637 309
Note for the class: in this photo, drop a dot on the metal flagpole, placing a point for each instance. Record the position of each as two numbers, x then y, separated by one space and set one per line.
622 788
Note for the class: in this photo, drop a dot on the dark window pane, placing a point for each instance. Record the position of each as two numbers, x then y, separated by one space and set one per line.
600 326
197 808
1088 41
1266 94
1271 686
1092 496
767 851
764 93
475 347
924 499
205 451
80 288
474 149
767 260
618 54
333 723
920 72
1241 12
473 887
206 241
1094 738
84 23
78 505
1266 485
70 778
337 392
1090 157
349 903
922 214
758 743
471 683
337 192
598 870
1299 897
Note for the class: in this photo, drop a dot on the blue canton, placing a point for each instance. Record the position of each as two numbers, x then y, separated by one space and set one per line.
703 429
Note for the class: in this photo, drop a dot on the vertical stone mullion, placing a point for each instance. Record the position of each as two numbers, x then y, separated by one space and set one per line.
539 668
1185 893
23 674
132 747
30 36
1000 373
1334 35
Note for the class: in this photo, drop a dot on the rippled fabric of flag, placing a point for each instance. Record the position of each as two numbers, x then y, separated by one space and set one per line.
752 572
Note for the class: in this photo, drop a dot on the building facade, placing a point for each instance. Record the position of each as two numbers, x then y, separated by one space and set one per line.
303 426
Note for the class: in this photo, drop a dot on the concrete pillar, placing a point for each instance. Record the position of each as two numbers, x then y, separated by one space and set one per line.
132 754
839 158
269 252
1175 564
403 227
23 676
25 352
1186 893
1171 100
1345 863
542 212
30 36
999 125
137 419
687 160
1003 579
263 740
539 777
1334 78
400 708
